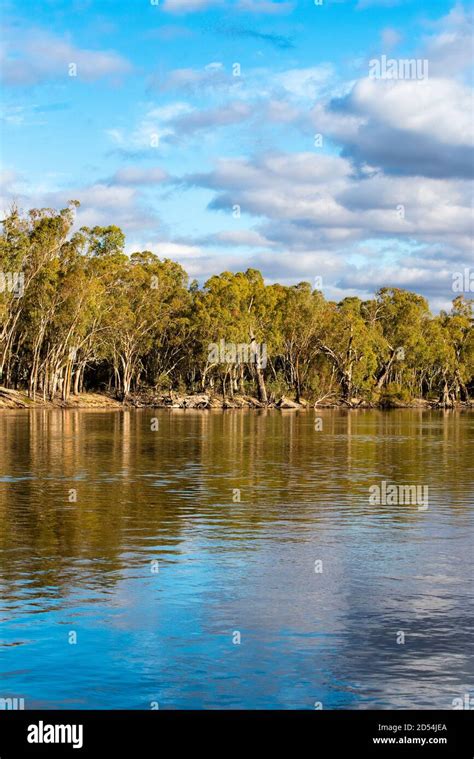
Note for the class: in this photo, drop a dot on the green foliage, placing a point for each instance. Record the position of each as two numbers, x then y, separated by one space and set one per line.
395 392
90 316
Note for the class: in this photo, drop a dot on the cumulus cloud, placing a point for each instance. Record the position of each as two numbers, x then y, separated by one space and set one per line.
236 238
433 107
197 120
385 200
193 81
306 83
224 100
153 127
170 124
8 177
36 56
403 126
315 205
449 48
275 169
102 203
12 188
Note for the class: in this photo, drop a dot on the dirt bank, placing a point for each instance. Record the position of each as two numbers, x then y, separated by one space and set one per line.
17 399
11 399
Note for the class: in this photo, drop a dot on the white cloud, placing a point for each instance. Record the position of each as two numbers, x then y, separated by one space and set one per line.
193 81
234 238
440 108
407 127
35 56
312 205
450 48
197 120
153 126
306 83
104 204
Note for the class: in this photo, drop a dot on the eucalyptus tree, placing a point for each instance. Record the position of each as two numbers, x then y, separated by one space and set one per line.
351 344
77 312
29 248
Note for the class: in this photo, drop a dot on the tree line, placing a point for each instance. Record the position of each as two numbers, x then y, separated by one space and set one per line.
78 314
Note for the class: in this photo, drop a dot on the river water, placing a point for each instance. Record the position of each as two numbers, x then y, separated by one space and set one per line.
199 560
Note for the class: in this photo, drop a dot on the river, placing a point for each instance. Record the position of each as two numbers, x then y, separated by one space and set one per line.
197 559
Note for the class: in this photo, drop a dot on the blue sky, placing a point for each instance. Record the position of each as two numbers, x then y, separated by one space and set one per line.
181 111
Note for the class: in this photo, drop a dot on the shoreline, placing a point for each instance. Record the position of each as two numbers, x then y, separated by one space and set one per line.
18 399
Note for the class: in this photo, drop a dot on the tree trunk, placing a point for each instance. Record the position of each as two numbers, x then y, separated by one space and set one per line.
297 381
385 372
262 390
77 379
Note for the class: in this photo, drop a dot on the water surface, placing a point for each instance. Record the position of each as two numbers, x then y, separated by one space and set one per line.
157 568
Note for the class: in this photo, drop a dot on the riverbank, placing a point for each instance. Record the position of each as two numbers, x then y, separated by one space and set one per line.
17 399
